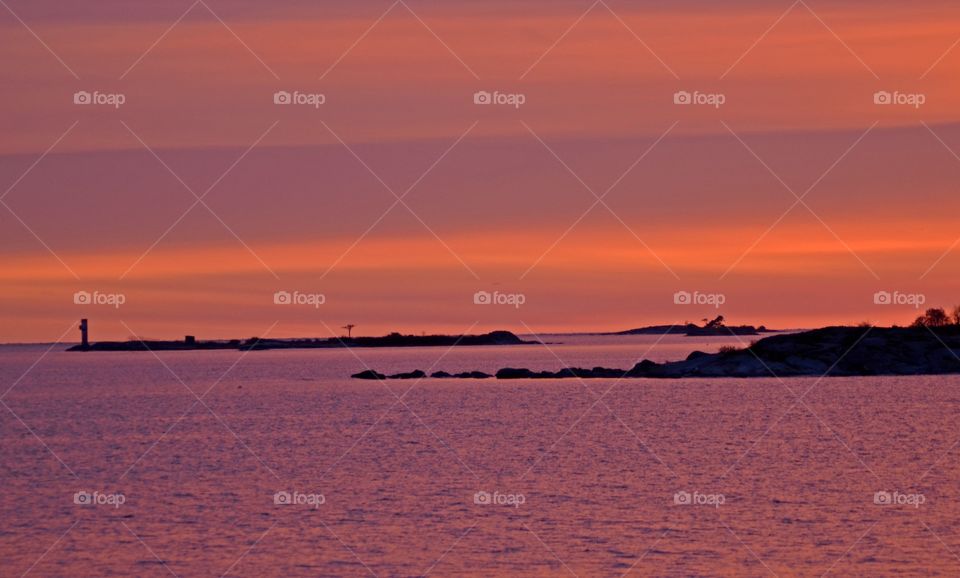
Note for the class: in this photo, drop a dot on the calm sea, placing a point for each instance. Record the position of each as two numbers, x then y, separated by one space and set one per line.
277 464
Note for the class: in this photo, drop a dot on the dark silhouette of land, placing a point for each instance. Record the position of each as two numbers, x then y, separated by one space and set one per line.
190 343
710 328
836 351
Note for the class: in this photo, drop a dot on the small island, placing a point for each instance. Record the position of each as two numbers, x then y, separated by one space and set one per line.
715 327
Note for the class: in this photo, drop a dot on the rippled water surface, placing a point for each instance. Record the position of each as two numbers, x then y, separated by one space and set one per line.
584 476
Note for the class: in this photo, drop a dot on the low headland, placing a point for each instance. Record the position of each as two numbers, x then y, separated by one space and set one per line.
931 346
190 343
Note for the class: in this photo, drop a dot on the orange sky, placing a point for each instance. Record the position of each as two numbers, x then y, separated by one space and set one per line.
494 188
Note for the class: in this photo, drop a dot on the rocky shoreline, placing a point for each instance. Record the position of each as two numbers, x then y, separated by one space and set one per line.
834 351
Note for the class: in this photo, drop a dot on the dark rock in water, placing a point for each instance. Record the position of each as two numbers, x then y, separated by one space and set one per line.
368 374
440 375
512 373
416 374
607 373
473 375
645 368
696 355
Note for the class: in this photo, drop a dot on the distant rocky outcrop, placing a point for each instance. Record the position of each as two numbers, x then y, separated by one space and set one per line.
710 328
834 351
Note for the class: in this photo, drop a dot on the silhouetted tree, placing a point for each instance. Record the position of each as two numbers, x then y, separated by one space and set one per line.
955 316
717 322
933 317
